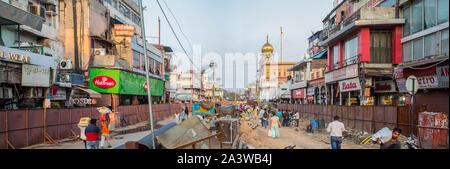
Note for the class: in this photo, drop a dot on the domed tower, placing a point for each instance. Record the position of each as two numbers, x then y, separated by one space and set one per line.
267 49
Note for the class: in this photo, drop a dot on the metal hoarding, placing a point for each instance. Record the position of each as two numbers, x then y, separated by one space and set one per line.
35 76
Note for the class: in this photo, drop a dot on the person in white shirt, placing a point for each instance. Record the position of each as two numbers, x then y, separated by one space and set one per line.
335 129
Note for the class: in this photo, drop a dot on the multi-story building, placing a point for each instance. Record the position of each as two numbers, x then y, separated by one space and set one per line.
308 85
104 38
363 41
425 44
29 50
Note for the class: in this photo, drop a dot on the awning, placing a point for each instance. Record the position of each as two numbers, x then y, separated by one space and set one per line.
11 15
91 93
320 55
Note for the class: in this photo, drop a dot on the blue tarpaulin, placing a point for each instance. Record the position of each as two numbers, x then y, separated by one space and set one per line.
320 55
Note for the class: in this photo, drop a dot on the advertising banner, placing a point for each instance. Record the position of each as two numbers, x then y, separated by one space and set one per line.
184 96
198 110
123 30
35 76
299 94
299 85
442 75
311 90
58 93
401 83
350 85
121 82
344 73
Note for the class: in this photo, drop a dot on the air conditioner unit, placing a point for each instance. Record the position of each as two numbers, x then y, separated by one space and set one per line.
34 9
65 64
64 77
99 51
7 93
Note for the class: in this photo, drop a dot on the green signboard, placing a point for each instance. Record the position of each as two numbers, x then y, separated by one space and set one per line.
122 82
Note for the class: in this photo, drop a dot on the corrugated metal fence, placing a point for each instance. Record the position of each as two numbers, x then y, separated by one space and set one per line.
361 118
21 128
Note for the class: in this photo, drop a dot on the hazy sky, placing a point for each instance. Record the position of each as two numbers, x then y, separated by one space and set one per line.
238 26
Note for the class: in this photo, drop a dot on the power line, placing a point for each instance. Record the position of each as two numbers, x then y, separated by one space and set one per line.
170 25
179 27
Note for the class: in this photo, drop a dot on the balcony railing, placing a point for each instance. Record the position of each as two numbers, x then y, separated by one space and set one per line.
32 49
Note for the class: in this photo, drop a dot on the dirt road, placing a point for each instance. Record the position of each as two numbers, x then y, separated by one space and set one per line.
290 136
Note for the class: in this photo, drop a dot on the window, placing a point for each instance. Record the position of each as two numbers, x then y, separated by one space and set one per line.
121 9
431 45
351 50
135 18
444 42
136 60
407 16
335 56
442 11
380 46
418 49
407 51
417 17
430 13
127 13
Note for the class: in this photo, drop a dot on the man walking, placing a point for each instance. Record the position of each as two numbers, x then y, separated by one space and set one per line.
335 129
92 133
285 118
261 118
105 134
393 143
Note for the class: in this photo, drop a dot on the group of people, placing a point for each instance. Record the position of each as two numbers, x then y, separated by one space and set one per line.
276 120
336 128
96 137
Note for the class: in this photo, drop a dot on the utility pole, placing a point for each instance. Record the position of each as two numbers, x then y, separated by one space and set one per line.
281 45
147 75
213 66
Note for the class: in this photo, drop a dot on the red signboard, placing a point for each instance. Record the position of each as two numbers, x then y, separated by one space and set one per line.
299 94
123 30
310 98
104 82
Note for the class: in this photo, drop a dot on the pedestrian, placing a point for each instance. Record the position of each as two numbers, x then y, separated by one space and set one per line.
279 114
285 118
261 118
275 125
393 143
335 129
105 134
297 117
92 133
186 113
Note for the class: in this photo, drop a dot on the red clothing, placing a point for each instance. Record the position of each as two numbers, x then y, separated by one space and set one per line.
92 132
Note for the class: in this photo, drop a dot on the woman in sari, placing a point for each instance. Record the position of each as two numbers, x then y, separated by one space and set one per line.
274 125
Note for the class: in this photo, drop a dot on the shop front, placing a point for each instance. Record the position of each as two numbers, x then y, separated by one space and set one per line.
25 78
386 94
299 96
334 88
433 87
317 91
299 92
123 87
350 91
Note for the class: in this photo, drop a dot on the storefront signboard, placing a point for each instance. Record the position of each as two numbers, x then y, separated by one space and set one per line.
22 56
35 76
367 92
340 74
184 96
442 75
58 93
123 30
350 85
426 82
401 83
299 94
299 85
387 86
311 90
126 82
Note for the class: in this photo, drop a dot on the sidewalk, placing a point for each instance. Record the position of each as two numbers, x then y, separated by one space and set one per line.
119 136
